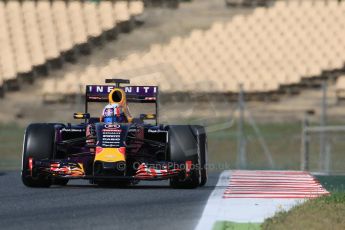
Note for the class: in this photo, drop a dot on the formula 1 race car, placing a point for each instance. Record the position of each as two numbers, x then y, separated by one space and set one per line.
110 151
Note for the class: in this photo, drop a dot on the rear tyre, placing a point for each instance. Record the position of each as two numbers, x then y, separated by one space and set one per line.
39 144
188 143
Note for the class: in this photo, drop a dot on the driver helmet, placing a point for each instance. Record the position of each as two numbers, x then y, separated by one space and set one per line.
112 113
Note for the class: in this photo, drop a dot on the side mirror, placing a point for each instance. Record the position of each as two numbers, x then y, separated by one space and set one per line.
81 116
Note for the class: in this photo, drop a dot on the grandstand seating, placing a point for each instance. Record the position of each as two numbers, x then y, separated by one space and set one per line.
32 34
16 32
8 68
108 19
48 33
264 51
36 33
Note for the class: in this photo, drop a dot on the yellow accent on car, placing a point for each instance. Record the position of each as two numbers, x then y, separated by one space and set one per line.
150 116
81 167
110 155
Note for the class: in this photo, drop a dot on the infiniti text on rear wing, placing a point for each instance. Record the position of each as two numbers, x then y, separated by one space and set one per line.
134 94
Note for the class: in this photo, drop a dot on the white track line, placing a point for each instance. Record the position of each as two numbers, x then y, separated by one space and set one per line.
213 209
253 196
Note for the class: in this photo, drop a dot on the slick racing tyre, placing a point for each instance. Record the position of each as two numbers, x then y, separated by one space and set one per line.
188 143
39 144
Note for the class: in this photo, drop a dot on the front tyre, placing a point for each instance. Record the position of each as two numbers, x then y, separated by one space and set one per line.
188 143
201 136
39 144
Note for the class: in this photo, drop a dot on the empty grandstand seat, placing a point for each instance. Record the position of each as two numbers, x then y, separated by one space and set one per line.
63 30
49 86
104 73
105 12
69 85
136 7
15 25
6 55
90 76
121 11
32 33
47 28
91 18
76 19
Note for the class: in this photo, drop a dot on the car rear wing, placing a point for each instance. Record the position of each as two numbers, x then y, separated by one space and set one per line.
134 94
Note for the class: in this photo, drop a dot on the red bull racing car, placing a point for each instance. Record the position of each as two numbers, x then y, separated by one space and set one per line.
115 149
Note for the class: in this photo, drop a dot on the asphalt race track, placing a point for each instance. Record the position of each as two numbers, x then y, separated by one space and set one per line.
79 205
